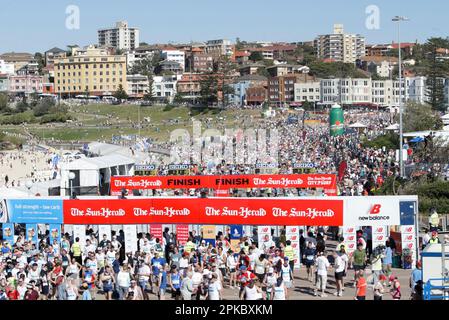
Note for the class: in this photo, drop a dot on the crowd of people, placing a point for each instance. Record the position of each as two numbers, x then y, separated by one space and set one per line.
100 268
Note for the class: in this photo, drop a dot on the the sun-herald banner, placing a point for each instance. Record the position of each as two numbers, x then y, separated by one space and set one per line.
212 211
326 181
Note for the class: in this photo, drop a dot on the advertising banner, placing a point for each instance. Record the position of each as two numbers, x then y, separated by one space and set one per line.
156 231
8 232
104 230
292 234
326 181
130 232
350 239
372 211
55 233
379 236
32 233
408 239
263 235
182 233
79 231
3 212
236 232
44 211
212 211
210 234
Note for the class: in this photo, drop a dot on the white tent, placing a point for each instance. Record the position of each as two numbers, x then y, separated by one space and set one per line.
393 127
358 125
445 118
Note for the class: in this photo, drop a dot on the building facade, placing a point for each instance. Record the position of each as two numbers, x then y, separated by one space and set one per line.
25 84
308 92
165 88
91 71
6 68
137 85
4 83
220 47
122 37
339 46
177 56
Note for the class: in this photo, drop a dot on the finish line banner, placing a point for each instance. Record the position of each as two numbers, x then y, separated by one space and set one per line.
212 211
326 181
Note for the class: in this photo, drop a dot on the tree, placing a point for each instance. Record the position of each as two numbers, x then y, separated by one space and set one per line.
256 56
3 102
121 94
149 95
436 72
209 90
44 107
40 61
421 117
178 98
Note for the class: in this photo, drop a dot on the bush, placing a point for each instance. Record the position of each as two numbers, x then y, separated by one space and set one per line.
389 141
19 118
169 107
43 107
57 117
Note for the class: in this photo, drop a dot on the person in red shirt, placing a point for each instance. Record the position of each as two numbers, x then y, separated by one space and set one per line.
12 293
31 293
244 279
244 261
361 286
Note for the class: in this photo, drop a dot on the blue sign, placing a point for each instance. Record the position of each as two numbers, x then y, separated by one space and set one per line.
44 211
236 232
407 209
8 233
55 233
31 233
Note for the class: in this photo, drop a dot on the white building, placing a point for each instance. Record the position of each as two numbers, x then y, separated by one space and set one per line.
164 87
137 85
121 37
177 56
221 47
308 91
340 46
6 68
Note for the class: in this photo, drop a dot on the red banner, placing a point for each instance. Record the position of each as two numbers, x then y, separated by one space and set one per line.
182 233
212 211
156 231
326 181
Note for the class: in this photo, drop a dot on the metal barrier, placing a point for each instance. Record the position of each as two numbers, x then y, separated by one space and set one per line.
429 288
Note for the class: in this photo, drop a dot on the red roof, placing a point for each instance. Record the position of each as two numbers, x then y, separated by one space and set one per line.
403 45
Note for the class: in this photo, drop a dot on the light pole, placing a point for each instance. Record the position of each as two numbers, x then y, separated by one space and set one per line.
71 177
399 19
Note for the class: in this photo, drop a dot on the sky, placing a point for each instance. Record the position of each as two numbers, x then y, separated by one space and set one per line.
31 26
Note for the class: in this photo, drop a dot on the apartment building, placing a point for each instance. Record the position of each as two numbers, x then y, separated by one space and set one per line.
177 56
165 87
91 70
6 68
241 85
220 47
137 85
202 62
4 83
52 54
19 59
281 90
308 91
25 84
122 37
339 46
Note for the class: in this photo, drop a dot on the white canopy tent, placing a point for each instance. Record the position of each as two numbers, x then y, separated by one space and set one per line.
393 127
358 125
94 172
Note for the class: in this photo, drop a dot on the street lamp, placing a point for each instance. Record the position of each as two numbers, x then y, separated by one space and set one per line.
29 185
399 19
71 177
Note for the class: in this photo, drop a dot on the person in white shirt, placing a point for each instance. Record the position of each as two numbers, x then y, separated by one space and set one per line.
322 264
214 288
340 266
231 264
267 244
123 282
252 291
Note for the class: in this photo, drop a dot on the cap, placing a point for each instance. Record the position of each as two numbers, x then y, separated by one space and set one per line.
243 268
285 258
29 286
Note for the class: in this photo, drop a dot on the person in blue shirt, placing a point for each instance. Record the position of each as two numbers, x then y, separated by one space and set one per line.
86 293
416 276
387 260
157 264
116 264
162 283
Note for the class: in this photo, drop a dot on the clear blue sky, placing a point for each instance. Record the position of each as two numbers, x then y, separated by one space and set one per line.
39 25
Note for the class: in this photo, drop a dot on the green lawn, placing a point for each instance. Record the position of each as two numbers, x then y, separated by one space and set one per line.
163 121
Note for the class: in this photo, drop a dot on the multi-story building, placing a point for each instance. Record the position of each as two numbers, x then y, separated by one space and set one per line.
169 67
19 59
189 86
137 85
91 71
281 90
218 48
256 96
285 69
241 86
340 46
346 91
25 84
382 66
164 87
308 92
122 37
4 83
202 62
52 54
141 53
177 56
6 68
